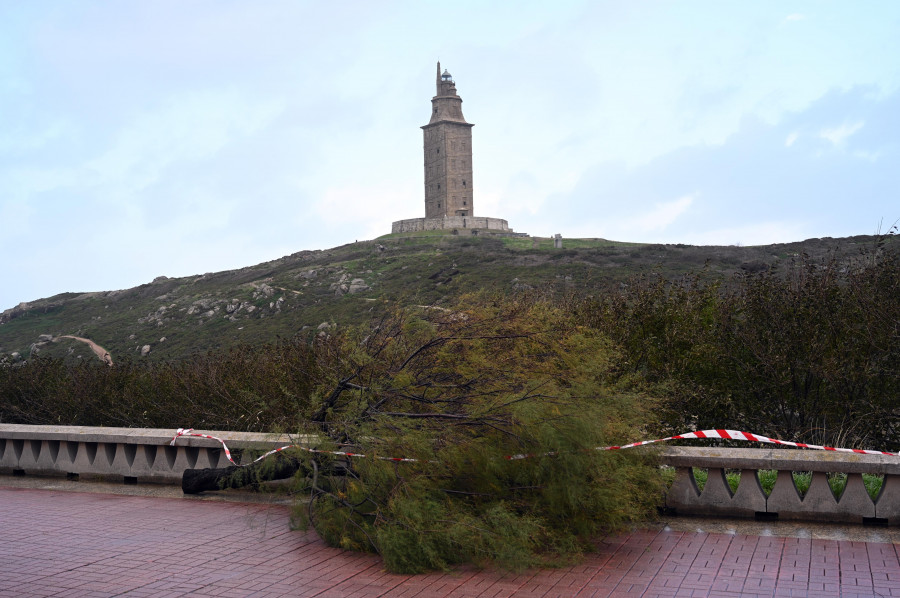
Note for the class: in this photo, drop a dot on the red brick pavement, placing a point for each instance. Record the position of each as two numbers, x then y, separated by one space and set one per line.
98 545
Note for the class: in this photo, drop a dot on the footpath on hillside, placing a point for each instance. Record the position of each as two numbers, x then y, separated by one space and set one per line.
99 351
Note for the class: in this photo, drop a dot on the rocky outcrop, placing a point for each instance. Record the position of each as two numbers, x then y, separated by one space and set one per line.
347 284
263 290
158 317
24 308
205 305
357 285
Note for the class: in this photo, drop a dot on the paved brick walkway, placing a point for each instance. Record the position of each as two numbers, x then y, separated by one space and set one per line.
91 545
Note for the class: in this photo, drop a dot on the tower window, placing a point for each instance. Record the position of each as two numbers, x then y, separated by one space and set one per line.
464 202
464 183
439 186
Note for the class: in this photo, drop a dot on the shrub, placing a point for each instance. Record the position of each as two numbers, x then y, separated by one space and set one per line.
809 351
248 388
457 390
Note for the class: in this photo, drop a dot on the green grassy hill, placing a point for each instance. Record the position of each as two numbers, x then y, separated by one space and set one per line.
314 290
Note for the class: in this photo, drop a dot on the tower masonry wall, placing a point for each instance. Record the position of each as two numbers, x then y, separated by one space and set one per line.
450 222
448 170
448 154
447 145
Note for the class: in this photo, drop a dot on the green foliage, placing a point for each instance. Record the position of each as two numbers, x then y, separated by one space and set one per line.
873 484
394 267
244 388
767 479
456 390
802 479
547 243
808 352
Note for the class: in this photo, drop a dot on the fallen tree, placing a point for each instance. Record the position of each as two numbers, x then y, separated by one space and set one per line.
456 392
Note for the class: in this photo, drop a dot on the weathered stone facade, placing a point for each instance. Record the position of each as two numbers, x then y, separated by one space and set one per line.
449 197
450 222
448 154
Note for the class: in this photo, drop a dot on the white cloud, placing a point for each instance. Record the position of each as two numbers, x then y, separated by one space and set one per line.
866 155
487 203
761 233
15 218
661 216
22 182
187 127
369 209
838 135
20 138
791 139
794 17
639 224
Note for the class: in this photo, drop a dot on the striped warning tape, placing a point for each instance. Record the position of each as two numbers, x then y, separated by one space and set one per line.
697 435
190 432
732 435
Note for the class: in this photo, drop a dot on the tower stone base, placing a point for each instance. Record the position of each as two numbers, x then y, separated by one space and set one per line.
450 222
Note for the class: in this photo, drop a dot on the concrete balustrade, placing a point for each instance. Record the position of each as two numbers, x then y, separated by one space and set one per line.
785 502
133 454
144 455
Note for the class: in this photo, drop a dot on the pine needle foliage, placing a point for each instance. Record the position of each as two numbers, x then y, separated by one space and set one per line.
459 390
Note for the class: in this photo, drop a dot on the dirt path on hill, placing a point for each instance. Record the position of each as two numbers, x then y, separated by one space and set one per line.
288 290
99 351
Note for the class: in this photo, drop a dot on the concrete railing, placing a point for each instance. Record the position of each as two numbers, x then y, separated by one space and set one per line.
818 503
138 455
130 454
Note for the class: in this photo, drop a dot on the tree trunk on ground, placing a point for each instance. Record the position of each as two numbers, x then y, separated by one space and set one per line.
195 481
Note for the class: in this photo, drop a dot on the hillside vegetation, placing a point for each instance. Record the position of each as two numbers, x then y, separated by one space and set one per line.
808 350
311 291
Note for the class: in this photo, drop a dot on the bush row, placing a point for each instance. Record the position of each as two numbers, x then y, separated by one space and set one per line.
806 352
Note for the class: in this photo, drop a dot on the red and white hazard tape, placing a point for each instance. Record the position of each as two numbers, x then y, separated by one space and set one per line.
190 432
736 435
732 435
698 435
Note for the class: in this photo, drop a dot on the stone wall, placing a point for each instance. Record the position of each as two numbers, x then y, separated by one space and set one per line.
450 222
138 455
818 503
135 454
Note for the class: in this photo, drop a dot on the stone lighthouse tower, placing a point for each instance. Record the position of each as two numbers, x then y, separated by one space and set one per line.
448 153
448 170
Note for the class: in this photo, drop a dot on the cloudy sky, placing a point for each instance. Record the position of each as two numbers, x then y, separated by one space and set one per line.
174 137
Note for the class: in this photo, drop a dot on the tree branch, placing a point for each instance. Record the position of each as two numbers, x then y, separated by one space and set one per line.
344 384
